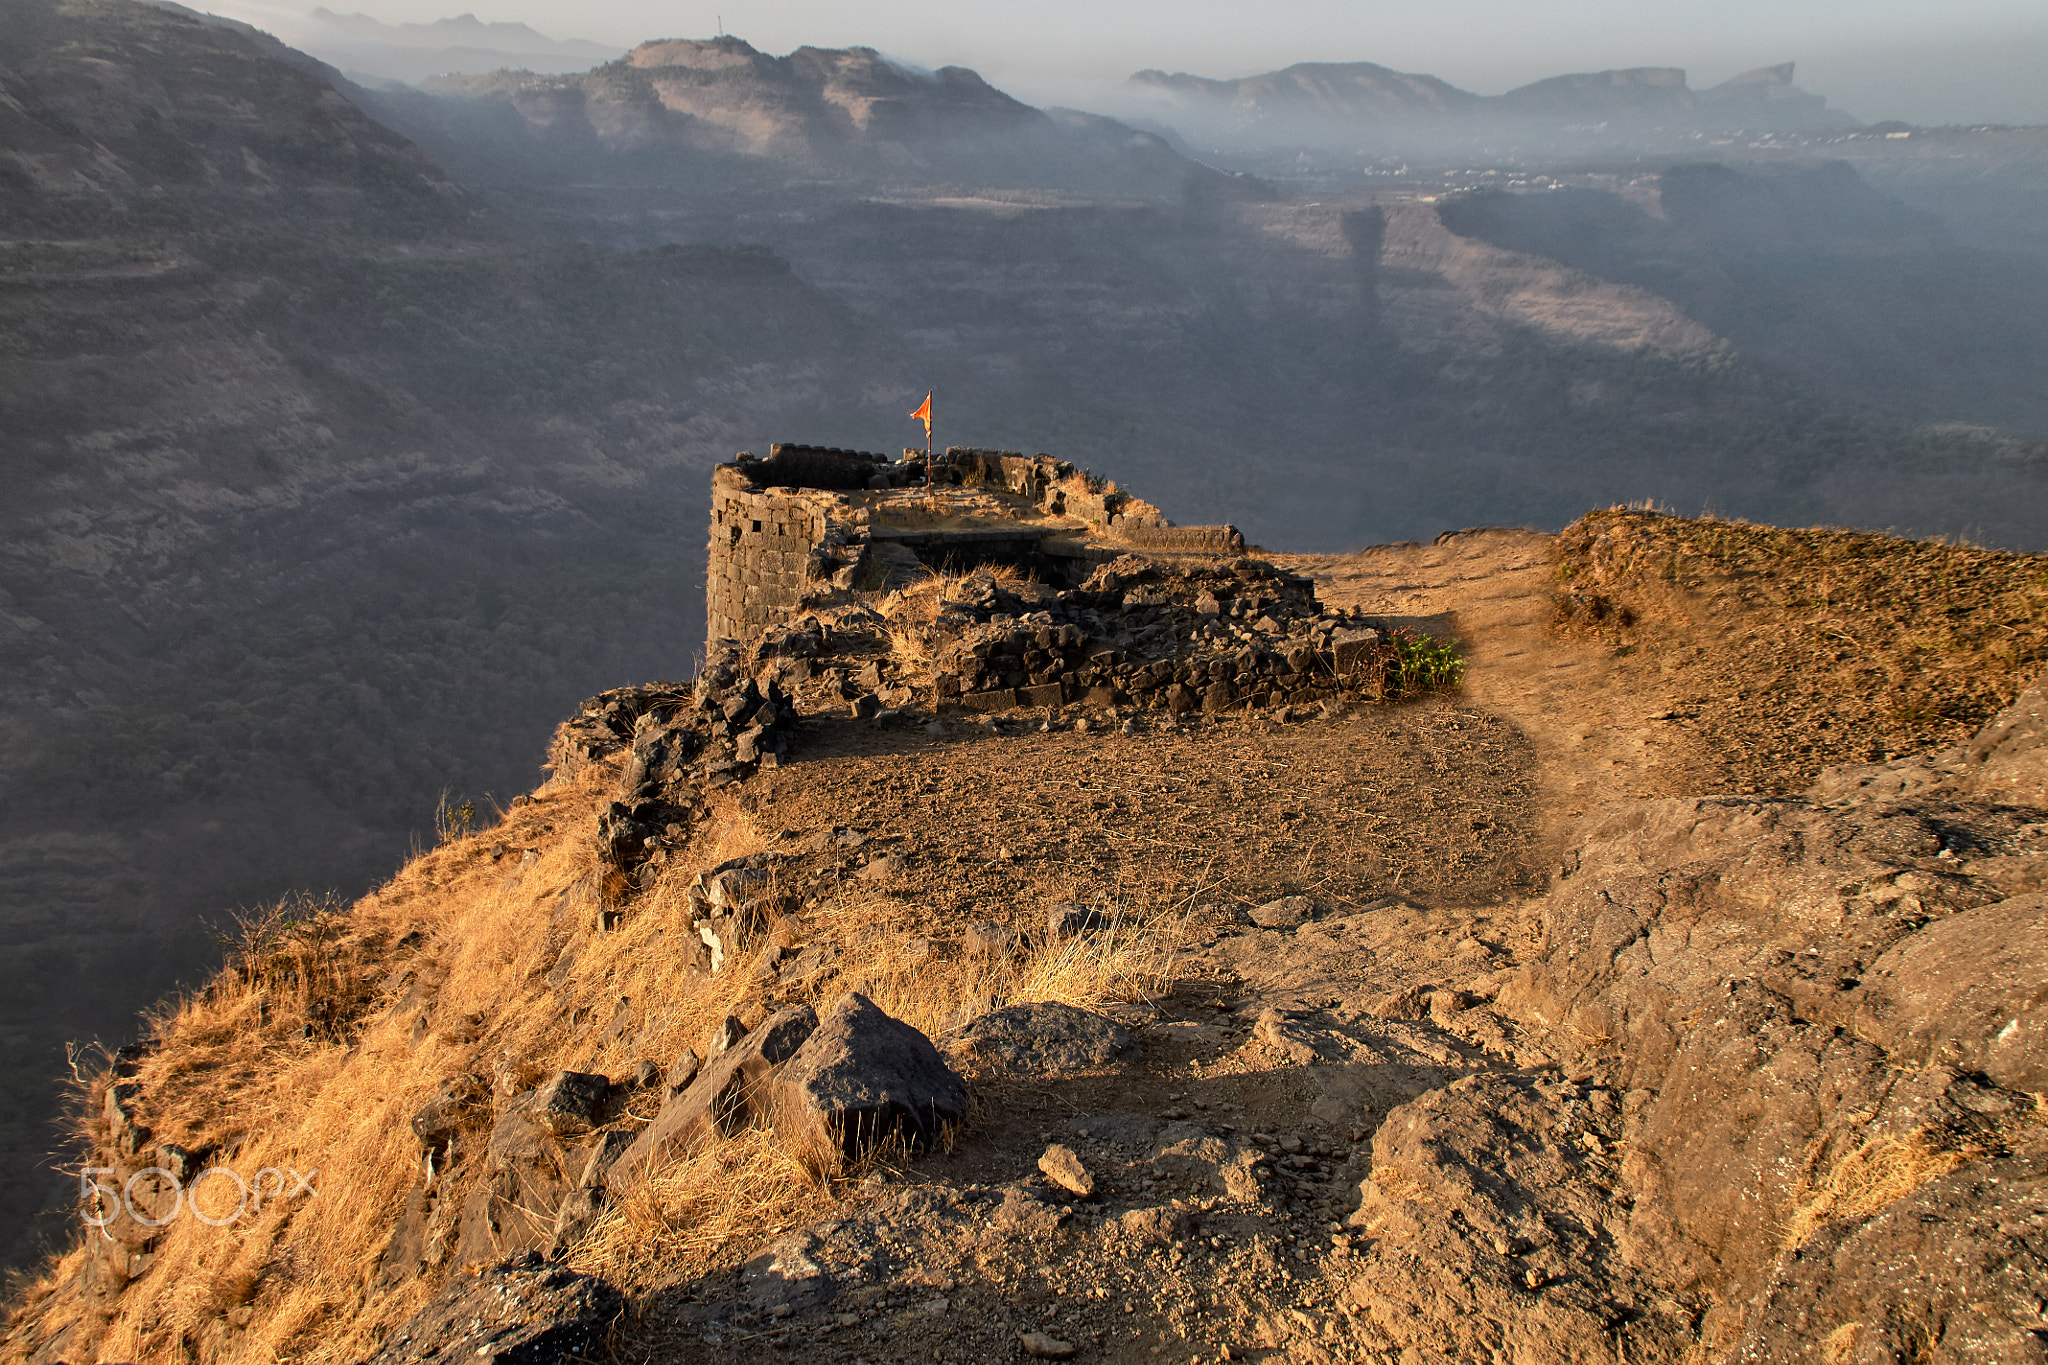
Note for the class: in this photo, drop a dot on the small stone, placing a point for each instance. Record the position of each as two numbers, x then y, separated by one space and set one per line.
1062 1166
646 1075
1284 913
729 1033
1290 1144
935 727
1068 919
887 867
1039 1346
988 938
683 1070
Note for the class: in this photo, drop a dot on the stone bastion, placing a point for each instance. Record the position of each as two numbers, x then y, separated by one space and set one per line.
808 526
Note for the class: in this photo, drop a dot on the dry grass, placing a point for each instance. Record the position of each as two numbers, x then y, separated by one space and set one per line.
329 1028
1797 649
292 1058
704 1211
1871 1177
912 611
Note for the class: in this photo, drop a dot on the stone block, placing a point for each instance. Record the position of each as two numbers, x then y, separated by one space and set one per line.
996 699
1352 647
1045 694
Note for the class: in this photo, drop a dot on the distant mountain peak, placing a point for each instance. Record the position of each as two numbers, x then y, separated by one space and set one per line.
1781 74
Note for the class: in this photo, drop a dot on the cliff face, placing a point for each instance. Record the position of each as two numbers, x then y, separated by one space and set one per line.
720 111
1359 104
302 453
132 116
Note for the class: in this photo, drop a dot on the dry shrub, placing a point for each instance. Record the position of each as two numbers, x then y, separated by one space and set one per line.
700 1212
938 988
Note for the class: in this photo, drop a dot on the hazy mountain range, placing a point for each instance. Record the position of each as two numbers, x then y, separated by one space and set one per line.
370 50
353 436
1342 103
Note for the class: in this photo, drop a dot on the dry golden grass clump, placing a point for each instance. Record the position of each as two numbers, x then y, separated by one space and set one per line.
1823 646
1870 1178
330 1027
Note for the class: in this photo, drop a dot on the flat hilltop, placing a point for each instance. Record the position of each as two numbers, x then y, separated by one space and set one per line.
1665 985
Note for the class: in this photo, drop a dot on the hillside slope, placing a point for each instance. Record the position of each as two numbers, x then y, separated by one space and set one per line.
303 456
1417 1031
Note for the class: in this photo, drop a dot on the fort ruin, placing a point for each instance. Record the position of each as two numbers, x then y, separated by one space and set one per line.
810 523
1091 597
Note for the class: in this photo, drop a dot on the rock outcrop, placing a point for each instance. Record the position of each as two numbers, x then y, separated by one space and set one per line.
522 1311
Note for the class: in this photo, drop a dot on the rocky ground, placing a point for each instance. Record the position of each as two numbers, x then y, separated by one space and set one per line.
1691 1104
1490 1030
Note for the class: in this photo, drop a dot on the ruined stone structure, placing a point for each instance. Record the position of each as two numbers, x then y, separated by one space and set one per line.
1054 588
809 525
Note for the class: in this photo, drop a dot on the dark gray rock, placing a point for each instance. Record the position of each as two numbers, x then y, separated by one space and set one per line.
570 1102
523 1311
527 1170
1043 1039
1068 919
864 1077
988 938
727 1095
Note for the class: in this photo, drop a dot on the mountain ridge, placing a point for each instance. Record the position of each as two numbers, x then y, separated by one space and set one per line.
1326 101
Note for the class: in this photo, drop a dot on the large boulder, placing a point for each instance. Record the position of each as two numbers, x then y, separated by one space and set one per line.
864 1077
1952 1272
527 1169
1786 996
523 1311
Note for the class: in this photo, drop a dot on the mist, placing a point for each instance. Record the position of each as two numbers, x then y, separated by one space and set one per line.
1974 63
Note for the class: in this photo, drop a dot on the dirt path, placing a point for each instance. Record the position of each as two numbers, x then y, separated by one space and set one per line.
1592 717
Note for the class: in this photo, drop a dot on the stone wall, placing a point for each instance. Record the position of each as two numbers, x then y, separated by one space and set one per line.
1209 540
762 544
798 528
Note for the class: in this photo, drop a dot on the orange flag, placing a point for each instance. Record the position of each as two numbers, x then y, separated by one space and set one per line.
924 415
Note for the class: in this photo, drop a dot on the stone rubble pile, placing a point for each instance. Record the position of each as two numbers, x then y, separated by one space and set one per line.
684 741
1138 633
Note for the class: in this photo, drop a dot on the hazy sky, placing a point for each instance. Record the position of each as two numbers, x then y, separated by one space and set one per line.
1967 60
